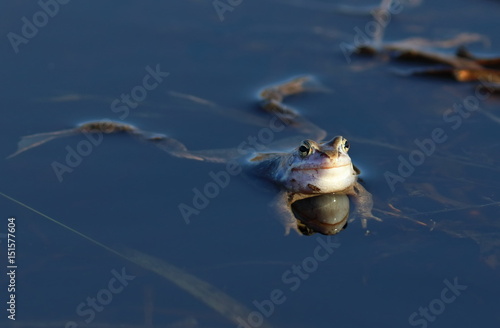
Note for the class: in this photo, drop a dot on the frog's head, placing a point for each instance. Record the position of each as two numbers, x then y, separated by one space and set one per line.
314 168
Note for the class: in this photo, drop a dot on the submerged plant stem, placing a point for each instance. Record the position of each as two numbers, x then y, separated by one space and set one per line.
213 297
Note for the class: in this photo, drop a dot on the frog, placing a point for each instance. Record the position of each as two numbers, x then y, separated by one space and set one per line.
311 168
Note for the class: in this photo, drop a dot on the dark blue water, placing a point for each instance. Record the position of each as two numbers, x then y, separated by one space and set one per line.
126 193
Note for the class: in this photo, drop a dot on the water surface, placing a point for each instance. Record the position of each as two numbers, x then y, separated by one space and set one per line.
127 193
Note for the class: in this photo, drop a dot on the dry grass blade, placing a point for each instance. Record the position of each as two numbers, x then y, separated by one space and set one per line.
490 87
208 294
424 49
482 74
170 145
35 140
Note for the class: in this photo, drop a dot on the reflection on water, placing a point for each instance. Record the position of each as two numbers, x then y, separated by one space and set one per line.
326 214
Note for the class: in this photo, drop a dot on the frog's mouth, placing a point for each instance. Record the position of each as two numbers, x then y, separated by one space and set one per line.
324 167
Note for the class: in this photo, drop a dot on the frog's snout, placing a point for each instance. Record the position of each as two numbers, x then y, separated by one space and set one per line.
329 154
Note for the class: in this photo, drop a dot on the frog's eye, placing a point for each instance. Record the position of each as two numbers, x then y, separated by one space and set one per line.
305 149
346 145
